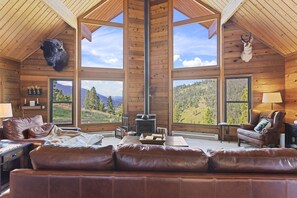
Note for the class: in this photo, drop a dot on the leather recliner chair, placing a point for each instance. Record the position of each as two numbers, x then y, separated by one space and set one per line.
269 136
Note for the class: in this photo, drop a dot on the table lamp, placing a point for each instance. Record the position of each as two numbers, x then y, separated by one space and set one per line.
5 110
272 98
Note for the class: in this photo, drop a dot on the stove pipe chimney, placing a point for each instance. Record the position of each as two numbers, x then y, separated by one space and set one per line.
146 60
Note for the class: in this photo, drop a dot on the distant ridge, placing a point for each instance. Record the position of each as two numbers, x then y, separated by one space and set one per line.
67 90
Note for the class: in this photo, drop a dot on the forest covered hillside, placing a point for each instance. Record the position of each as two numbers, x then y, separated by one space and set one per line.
196 102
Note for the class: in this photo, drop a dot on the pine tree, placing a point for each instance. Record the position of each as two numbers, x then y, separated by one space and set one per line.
208 117
110 107
92 100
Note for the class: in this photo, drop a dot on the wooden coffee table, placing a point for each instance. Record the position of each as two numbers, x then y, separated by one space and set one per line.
170 141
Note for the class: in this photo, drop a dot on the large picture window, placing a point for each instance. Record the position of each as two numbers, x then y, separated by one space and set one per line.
238 100
106 48
101 101
195 101
192 45
61 102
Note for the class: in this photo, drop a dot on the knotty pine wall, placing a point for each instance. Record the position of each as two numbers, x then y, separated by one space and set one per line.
266 68
159 60
134 60
35 71
10 84
291 89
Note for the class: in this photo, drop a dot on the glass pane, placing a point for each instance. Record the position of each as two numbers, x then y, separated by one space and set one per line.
178 16
192 47
62 113
105 50
101 101
237 113
237 89
118 19
62 91
195 101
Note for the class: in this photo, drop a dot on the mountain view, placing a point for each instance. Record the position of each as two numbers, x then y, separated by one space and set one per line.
95 108
195 102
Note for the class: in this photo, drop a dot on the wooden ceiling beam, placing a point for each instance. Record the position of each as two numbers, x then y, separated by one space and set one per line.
230 9
63 11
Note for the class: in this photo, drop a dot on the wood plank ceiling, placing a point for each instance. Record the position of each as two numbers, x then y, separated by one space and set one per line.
272 21
24 23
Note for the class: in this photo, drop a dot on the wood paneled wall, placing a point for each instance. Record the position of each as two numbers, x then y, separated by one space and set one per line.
159 51
35 71
10 84
291 89
134 63
266 67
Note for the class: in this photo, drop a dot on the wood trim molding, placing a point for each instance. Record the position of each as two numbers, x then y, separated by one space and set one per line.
230 9
196 20
102 23
63 11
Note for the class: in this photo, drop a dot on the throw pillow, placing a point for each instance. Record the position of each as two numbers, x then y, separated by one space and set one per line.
263 124
40 131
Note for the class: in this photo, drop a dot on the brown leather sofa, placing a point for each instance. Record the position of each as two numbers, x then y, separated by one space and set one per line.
156 171
269 136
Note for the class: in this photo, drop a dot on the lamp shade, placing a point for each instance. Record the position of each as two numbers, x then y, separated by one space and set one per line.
5 110
272 98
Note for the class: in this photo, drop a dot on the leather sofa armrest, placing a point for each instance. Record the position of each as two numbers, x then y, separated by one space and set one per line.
247 126
270 130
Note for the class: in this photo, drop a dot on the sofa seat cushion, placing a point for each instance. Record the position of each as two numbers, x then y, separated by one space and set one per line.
16 128
50 157
250 133
160 158
265 160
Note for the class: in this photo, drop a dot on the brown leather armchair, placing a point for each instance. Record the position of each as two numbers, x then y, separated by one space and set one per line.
269 136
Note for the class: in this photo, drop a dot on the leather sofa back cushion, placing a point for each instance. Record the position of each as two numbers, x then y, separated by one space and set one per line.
16 128
160 158
272 160
51 157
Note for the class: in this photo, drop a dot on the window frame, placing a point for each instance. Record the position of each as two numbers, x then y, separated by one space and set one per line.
51 102
249 102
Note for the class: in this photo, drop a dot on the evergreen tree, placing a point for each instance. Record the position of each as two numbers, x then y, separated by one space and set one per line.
92 100
110 107
208 116
58 96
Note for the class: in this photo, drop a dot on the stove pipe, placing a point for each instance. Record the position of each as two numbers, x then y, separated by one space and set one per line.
146 60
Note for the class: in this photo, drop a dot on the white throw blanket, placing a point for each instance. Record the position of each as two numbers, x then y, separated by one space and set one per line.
72 138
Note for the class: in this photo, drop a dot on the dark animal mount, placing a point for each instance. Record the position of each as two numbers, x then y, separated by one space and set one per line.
54 54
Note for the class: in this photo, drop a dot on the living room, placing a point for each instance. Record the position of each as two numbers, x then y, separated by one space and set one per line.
209 62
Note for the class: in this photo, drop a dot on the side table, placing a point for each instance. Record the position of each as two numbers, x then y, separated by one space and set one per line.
12 155
226 126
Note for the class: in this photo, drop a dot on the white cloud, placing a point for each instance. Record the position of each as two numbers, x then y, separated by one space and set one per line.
198 62
176 57
110 60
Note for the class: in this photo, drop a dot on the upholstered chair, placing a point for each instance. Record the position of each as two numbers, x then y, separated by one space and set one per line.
268 136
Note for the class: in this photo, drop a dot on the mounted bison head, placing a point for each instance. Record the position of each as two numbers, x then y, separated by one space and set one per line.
54 54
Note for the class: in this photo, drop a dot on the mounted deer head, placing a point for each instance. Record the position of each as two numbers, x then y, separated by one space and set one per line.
247 53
